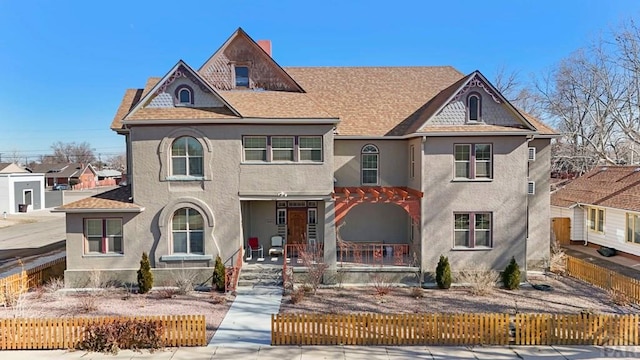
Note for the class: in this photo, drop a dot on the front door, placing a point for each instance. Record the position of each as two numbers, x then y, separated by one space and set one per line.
296 226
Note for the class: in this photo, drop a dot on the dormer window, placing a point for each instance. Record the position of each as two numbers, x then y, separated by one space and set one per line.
184 94
474 107
242 76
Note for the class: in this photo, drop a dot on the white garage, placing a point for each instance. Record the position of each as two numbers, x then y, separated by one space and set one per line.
21 191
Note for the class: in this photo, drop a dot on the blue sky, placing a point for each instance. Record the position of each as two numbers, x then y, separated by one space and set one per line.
66 64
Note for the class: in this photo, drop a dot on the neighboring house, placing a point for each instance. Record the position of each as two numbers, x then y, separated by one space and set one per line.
82 175
108 177
20 190
241 147
601 208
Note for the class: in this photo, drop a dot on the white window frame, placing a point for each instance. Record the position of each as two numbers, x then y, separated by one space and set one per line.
531 188
300 148
291 149
531 154
478 110
312 219
472 231
472 163
281 220
370 150
235 79
265 149
189 100
596 225
630 224
187 158
188 231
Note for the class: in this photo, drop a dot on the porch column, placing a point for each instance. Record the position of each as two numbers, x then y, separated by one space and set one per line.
330 256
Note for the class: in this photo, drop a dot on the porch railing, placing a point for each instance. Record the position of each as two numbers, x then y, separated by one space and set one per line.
352 253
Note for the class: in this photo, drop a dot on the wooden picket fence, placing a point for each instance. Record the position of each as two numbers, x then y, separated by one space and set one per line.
603 278
66 333
453 329
21 282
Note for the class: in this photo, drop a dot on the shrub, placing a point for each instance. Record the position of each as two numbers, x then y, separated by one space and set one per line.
53 285
443 273
557 260
123 334
618 297
380 285
297 295
481 280
511 275
88 302
218 275
145 277
184 280
417 292
316 267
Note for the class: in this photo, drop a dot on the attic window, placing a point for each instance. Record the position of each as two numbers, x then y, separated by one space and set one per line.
474 107
242 76
184 94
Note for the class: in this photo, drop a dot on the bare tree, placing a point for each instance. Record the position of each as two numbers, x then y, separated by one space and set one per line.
117 162
520 94
71 152
14 156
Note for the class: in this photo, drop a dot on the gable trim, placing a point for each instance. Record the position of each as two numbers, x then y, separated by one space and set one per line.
169 78
494 93
241 32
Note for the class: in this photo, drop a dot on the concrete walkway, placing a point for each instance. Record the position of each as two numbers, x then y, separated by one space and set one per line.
248 321
346 353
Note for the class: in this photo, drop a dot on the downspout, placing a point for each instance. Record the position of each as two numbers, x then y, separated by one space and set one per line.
526 204
586 238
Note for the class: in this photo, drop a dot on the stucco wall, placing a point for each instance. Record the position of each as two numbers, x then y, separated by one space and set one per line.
538 243
504 196
378 223
226 179
392 160
36 187
6 196
415 182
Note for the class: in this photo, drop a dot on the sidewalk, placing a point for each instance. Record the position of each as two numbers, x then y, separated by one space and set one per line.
347 352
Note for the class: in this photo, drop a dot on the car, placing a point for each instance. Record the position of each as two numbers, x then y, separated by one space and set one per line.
60 187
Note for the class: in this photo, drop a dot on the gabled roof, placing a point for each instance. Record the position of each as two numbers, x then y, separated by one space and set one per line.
180 66
118 199
241 35
607 186
6 168
419 121
371 101
63 170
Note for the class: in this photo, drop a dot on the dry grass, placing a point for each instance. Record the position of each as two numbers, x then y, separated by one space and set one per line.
557 260
380 285
480 281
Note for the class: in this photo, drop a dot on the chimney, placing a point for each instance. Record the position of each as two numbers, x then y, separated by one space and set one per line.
265 45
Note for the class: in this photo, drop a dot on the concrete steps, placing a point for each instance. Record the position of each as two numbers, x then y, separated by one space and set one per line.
260 275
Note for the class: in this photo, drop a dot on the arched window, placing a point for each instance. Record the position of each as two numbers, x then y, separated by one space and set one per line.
184 93
369 164
186 157
474 107
187 232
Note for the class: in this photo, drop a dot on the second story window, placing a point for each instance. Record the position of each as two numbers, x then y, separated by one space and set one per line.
242 76
473 161
369 165
474 107
186 157
282 149
184 94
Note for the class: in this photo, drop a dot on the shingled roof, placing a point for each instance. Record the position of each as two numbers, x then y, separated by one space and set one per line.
116 199
607 186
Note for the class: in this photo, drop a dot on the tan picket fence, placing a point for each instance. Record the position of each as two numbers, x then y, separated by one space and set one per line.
453 329
603 278
66 333
21 282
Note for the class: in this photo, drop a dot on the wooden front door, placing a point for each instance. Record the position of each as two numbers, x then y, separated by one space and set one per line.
562 230
296 226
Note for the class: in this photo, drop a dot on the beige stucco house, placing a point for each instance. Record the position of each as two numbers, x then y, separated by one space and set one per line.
422 161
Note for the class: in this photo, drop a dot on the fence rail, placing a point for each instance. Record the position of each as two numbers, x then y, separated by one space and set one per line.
21 282
66 333
453 329
603 278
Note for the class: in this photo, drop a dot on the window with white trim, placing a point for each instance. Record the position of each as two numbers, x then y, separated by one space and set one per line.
187 157
103 236
595 219
242 76
531 154
473 161
281 216
472 230
310 148
312 216
184 94
187 232
633 228
282 148
369 164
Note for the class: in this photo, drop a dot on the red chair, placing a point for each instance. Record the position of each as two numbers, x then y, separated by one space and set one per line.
254 245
